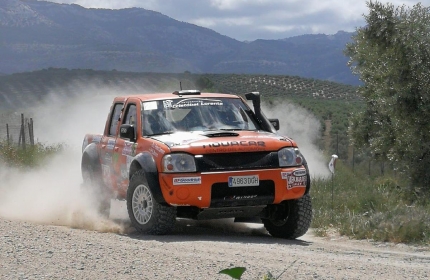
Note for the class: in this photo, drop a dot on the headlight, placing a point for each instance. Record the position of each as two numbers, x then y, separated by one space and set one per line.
179 163
289 157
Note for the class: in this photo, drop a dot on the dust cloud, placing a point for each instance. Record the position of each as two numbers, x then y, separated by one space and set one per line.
51 194
303 127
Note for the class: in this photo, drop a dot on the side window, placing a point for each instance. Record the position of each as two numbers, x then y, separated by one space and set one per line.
115 118
130 117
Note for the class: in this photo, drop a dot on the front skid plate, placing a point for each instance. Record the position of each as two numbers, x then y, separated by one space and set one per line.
231 212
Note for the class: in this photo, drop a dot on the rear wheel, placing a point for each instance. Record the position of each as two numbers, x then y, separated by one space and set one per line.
291 219
146 214
93 185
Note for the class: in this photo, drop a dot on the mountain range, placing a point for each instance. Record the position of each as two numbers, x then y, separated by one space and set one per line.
38 34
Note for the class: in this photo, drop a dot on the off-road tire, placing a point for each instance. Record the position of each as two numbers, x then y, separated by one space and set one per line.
295 222
93 186
145 213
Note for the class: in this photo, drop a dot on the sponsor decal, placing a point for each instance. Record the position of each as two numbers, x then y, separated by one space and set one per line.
97 139
124 172
128 149
115 158
129 159
191 102
105 169
133 149
235 143
110 144
294 181
235 146
187 181
108 158
106 174
168 103
156 150
240 197
152 105
299 172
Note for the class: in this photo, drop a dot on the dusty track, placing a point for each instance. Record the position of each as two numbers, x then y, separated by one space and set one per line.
196 250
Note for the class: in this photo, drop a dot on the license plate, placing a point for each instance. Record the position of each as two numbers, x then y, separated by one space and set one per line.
243 181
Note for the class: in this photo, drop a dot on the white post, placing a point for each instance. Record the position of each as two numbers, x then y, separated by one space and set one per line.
331 166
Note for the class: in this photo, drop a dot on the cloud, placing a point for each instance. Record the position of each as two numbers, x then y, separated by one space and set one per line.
256 19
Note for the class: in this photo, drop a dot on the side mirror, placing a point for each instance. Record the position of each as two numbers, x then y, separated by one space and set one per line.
127 131
275 123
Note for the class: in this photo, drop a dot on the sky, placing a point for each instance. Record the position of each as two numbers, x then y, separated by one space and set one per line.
256 19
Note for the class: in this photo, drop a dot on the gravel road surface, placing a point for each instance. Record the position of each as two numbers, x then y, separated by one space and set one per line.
195 250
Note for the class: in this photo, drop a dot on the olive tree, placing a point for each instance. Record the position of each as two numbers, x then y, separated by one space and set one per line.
391 55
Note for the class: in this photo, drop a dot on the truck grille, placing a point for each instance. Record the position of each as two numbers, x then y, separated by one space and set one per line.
224 196
237 161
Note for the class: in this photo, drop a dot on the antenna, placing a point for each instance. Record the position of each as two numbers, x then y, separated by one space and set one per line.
180 85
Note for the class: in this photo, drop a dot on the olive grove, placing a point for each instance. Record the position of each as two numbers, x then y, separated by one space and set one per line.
391 55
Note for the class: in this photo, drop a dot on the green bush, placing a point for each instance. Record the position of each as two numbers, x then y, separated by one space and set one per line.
369 208
32 156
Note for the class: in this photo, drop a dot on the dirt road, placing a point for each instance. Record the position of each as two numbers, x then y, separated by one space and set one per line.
196 250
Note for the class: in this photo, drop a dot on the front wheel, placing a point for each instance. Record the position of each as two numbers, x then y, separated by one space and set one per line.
292 218
146 214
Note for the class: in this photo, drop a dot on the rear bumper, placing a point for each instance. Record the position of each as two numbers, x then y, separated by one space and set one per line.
211 190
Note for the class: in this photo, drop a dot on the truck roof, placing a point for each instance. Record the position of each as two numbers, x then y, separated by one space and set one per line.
161 96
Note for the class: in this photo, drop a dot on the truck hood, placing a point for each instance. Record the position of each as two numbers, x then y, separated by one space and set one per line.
203 142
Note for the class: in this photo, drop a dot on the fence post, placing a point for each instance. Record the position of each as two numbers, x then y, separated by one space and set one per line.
32 132
23 131
7 133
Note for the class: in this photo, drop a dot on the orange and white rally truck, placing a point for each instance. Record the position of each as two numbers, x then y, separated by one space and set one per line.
200 156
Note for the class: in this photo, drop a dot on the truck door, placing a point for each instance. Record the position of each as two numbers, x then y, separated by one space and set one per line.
108 145
125 149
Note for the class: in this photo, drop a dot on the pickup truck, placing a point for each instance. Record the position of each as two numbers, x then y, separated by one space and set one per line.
199 156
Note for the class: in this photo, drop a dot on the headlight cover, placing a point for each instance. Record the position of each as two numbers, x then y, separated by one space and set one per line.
289 157
176 163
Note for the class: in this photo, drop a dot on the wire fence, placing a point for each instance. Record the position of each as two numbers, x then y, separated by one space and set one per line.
358 159
15 129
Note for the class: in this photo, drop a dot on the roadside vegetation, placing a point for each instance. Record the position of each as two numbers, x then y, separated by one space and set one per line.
378 208
13 155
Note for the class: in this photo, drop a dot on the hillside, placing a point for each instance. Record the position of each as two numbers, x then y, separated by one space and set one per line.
39 34
326 100
20 90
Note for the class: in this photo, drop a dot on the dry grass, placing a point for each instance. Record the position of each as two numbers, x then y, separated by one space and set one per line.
380 209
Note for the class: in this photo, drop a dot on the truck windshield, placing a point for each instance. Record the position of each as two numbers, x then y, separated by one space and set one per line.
196 114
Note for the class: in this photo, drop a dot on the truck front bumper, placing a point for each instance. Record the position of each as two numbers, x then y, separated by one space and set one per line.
215 189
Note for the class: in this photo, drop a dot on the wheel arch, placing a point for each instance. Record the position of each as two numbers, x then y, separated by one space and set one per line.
308 175
144 161
90 155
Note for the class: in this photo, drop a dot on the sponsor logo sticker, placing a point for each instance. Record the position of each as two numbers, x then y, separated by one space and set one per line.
128 149
187 181
129 160
295 179
152 105
110 144
299 172
284 175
